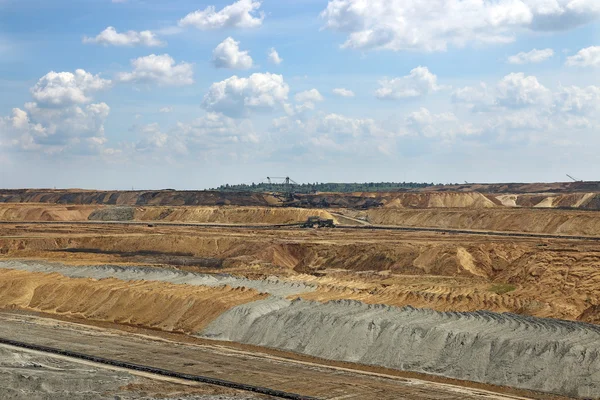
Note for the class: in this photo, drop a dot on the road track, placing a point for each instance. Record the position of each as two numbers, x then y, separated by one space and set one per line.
156 371
298 225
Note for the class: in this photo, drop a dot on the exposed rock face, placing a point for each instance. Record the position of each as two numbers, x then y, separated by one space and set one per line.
503 349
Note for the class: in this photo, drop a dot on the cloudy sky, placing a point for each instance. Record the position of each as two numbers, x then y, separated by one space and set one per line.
191 94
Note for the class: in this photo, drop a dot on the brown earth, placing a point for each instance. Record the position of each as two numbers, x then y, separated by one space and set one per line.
193 214
158 305
549 278
563 222
552 196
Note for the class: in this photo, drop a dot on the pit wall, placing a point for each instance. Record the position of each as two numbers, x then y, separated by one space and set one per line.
589 200
564 222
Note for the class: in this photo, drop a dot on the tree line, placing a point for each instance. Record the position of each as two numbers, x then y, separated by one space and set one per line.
324 187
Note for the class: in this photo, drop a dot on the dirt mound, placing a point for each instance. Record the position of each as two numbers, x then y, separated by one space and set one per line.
228 215
156 305
112 214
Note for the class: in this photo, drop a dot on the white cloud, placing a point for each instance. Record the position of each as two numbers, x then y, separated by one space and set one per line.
111 37
434 25
274 56
342 125
165 110
159 69
236 97
517 90
210 134
520 109
152 138
54 130
446 125
58 89
241 14
418 83
477 98
311 95
228 55
588 57
531 57
343 92
578 100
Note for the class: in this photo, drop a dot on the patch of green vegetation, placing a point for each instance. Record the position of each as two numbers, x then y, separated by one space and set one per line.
502 288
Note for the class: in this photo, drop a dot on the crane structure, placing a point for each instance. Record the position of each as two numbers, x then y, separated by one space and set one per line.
288 185
574 179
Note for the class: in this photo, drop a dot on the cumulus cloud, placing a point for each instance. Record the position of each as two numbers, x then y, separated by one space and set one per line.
241 14
531 57
152 138
588 57
274 56
434 25
446 125
517 90
343 92
311 96
236 97
59 89
110 37
418 83
212 133
228 55
337 124
521 109
159 69
165 110
54 130
578 100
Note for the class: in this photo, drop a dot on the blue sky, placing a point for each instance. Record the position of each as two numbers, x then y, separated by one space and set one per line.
191 94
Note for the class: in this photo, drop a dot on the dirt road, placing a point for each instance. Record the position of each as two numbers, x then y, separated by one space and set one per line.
221 362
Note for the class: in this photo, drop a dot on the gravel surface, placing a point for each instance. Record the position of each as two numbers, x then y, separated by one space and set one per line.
545 355
272 286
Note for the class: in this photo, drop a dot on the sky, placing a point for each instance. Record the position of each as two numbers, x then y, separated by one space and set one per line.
151 94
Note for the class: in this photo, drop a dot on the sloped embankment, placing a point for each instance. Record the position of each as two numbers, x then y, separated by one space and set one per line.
512 220
187 214
157 305
502 349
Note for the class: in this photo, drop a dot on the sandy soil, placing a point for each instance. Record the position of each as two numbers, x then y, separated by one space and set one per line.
565 222
30 375
549 278
275 287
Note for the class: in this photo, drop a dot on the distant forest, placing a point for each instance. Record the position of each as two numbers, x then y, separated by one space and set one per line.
324 187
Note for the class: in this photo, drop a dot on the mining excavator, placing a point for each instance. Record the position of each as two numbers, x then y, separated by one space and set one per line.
318 222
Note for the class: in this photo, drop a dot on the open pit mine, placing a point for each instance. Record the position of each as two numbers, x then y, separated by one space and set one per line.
453 292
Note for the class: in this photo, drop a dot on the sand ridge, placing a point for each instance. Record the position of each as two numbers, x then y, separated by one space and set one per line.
165 306
505 349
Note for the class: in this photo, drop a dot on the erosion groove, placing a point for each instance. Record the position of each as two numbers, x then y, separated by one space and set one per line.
503 349
159 305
